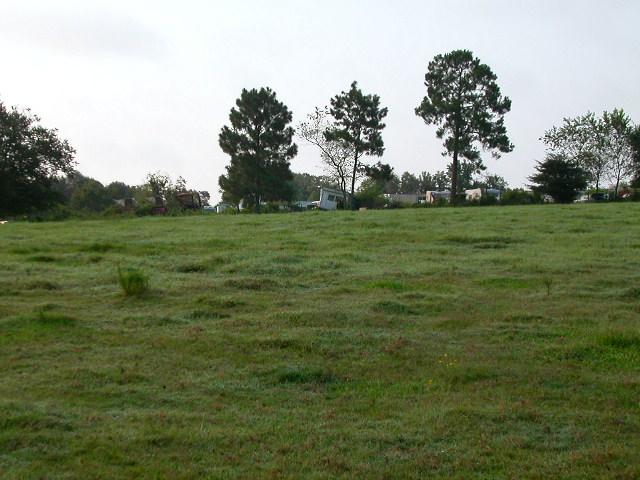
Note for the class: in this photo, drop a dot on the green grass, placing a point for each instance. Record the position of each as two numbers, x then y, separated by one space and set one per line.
490 342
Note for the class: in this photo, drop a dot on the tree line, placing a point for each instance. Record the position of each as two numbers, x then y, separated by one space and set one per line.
463 101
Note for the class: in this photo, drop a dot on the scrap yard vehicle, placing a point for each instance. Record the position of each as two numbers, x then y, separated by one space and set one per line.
190 200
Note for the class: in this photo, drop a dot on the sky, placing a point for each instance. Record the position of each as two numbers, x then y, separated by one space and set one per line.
144 86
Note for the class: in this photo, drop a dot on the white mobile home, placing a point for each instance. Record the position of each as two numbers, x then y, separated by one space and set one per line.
435 197
222 206
330 198
476 194
405 198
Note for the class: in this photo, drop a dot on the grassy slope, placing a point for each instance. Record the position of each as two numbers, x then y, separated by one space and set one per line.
367 344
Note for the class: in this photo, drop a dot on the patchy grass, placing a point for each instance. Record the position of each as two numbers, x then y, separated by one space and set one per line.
99 247
192 268
134 283
418 343
305 375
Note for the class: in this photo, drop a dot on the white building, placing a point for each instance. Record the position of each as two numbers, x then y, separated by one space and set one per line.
329 198
405 198
222 206
476 194
435 197
303 204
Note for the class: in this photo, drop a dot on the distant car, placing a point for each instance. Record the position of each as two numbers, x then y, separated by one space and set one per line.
599 197
209 208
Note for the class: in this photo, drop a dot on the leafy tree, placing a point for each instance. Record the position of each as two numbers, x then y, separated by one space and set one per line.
64 186
358 124
380 174
634 140
90 196
259 142
409 183
559 178
619 149
464 101
205 196
439 181
337 155
31 158
379 179
519 196
466 175
492 181
158 183
581 140
307 186
118 190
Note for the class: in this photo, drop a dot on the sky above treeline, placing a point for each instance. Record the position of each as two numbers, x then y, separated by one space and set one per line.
142 86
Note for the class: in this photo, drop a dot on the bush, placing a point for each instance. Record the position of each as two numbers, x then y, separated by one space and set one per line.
393 205
54 214
483 201
134 283
370 197
519 196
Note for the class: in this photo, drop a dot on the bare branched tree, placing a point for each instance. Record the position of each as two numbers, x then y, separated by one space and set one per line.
337 156
618 128
580 140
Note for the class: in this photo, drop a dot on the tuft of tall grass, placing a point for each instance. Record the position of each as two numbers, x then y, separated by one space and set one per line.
134 283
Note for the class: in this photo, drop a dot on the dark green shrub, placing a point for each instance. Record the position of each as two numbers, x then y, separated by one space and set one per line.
369 197
519 196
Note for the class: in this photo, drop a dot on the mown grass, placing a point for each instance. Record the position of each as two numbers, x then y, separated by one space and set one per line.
442 343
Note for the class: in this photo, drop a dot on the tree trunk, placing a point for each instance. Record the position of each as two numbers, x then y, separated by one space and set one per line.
454 179
353 180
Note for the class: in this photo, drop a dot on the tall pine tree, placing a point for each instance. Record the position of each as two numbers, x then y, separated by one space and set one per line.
260 144
358 123
464 101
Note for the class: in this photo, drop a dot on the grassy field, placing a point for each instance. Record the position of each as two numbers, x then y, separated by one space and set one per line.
455 343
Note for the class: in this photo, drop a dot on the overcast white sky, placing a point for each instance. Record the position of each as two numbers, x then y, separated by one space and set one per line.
139 86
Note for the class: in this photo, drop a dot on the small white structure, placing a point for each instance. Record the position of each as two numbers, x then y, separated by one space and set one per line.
329 198
435 197
126 202
405 198
303 204
222 206
477 194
